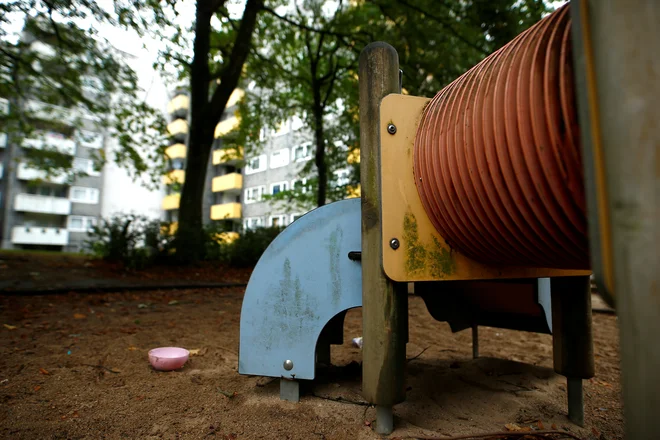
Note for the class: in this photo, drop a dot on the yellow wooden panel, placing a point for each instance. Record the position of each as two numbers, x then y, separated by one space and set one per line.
423 254
228 182
227 156
226 211
171 202
174 176
176 151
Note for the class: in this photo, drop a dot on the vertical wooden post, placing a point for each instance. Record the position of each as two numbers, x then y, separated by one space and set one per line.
572 338
384 303
617 70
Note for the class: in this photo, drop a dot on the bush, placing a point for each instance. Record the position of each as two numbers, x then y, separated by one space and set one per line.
133 240
246 250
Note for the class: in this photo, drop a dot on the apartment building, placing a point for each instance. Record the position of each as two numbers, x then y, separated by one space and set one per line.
44 211
222 197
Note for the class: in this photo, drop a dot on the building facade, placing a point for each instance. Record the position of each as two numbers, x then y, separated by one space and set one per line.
50 212
224 179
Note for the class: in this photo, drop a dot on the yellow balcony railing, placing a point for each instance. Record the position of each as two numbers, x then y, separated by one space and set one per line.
176 151
171 202
235 96
353 191
227 156
226 126
177 127
179 102
353 156
226 237
228 182
174 176
226 211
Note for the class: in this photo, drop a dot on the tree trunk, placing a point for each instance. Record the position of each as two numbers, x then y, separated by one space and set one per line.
319 157
204 115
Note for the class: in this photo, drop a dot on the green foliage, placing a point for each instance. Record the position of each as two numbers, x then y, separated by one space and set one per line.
132 240
246 250
58 68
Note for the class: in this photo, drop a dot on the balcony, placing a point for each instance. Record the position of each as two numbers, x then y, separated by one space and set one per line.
232 182
235 96
174 176
3 140
42 204
230 156
178 105
178 129
89 139
176 151
51 140
226 126
171 202
24 172
39 236
226 211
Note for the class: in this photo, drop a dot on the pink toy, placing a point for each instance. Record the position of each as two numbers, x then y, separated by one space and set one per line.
168 358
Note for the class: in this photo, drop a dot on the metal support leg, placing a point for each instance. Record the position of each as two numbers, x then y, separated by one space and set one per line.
575 400
289 390
384 420
572 337
475 341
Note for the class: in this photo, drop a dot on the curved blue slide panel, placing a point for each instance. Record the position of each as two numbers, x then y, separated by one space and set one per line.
303 279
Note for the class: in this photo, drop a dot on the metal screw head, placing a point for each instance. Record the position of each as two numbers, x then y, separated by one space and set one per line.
288 364
391 128
394 243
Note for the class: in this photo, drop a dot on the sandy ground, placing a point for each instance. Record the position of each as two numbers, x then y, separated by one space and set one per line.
75 367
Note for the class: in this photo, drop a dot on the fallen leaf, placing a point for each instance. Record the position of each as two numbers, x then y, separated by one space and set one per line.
194 351
595 432
540 425
512 427
131 348
367 423
43 371
10 327
37 388
142 306
173 302
79 316
554 427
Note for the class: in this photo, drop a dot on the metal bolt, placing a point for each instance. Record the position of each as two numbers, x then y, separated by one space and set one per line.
391 128
394 243
288 364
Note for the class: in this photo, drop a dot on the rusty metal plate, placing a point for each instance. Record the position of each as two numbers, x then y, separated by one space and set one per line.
423 254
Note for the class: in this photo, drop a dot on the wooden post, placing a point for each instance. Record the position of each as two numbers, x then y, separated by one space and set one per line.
617 64
384 303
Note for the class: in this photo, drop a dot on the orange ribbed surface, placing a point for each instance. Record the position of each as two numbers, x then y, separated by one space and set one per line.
497 157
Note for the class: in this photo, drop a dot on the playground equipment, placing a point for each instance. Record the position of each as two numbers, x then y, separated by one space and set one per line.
481 198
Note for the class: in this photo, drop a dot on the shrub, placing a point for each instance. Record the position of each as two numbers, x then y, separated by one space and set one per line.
133 240
246 250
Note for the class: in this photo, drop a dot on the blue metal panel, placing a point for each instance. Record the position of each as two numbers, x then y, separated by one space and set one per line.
302 280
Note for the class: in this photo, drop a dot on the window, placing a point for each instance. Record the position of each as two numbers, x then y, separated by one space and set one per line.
277 220
278 187
256 165
279 158
299 185
300 152
253 195
85 165
80 223
79 194
251 222
343 177
295 217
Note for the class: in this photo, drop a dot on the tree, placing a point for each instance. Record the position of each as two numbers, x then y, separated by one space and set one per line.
306 68
56 67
